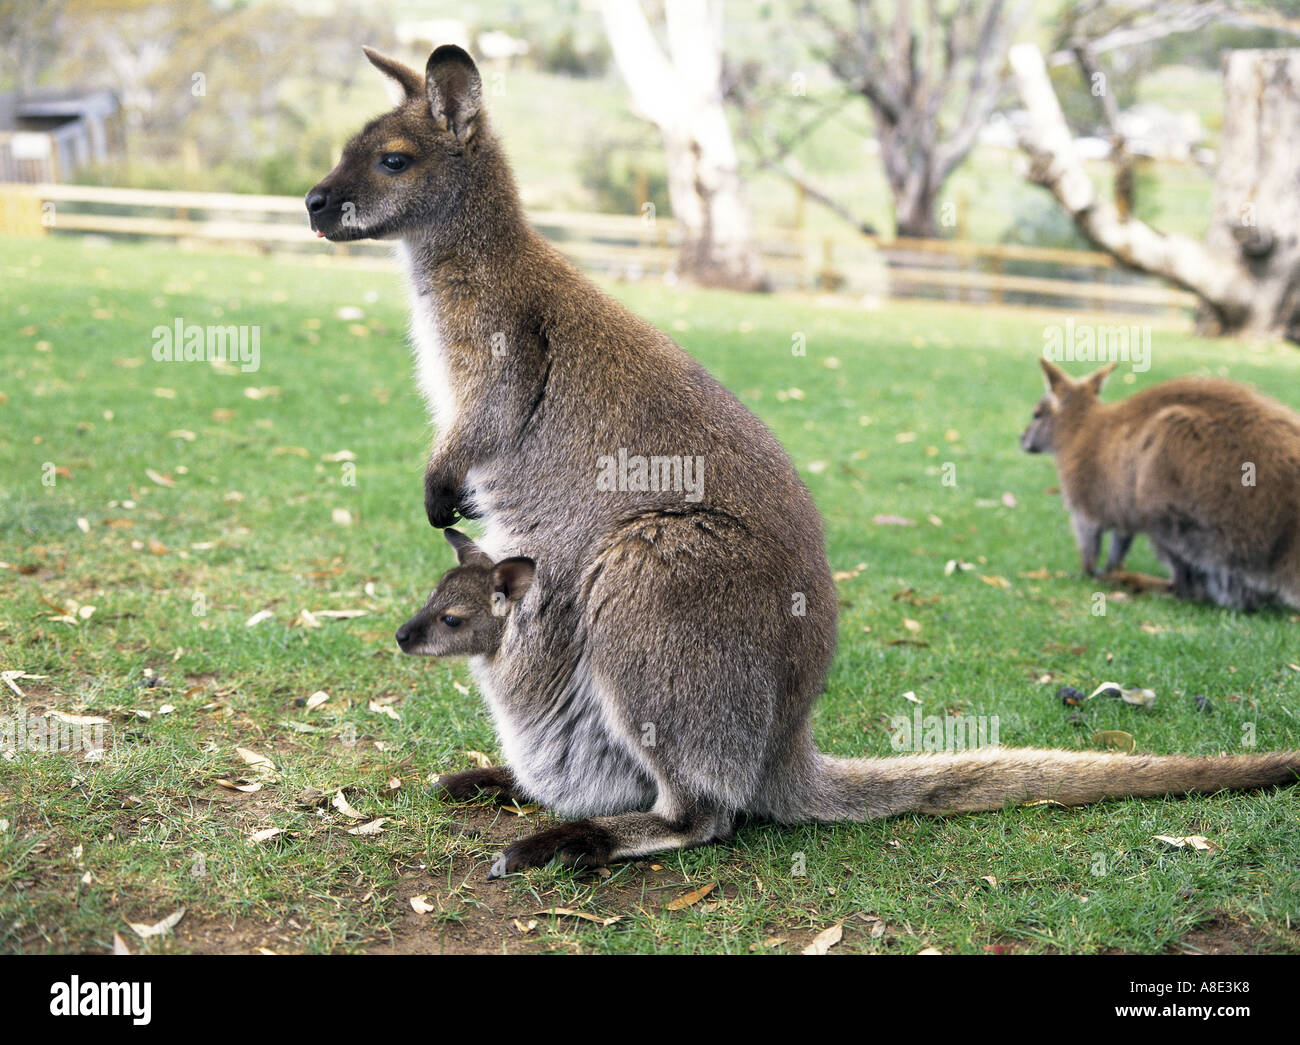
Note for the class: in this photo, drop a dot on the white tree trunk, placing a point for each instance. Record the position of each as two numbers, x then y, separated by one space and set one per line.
1256 204
1226 287
681 94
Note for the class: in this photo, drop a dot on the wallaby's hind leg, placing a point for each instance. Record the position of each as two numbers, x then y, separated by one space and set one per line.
1120 543
1087 535
496 780
606 839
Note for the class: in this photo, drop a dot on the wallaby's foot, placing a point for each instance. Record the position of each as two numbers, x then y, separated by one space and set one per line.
605 839
494 780
443 501
582 843
1139 583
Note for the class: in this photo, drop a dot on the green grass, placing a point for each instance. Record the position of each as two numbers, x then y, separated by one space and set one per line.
884 400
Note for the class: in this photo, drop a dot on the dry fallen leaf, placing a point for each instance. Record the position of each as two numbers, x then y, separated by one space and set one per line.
375 827
1116 740
825 940
144 930
317 699
258 617
342 805
693 897
265 835
119 945
246 786
586 916
420 904
1198 842
384 709
77 720
159 478
479 759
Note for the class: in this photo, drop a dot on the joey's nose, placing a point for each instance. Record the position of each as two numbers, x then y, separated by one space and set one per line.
317 200
403 634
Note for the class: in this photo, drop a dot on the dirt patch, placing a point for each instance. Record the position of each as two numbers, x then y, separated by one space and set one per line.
1226 935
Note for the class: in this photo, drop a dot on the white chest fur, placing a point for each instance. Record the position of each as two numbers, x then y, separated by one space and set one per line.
431 371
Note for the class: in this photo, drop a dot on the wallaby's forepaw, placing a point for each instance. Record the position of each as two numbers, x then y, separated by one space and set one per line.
579 844
460 787
443 501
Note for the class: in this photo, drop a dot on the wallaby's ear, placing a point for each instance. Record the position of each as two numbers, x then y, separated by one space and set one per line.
455 90
1058 381
1097 379
410 81
513 577
466 550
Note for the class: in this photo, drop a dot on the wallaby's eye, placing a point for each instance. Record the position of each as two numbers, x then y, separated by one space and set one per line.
451 620
393 161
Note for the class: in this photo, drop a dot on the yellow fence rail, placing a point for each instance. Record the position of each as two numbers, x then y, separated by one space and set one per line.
629 247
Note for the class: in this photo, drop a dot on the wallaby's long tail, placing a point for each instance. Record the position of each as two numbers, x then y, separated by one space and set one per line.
990 778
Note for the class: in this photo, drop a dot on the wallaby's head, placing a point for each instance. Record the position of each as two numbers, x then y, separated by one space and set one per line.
410 168
1065 403
466 613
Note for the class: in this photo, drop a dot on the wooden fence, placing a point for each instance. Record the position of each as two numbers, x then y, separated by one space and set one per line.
629 247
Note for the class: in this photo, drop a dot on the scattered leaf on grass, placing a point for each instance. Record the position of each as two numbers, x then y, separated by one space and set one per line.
420 904
246 786
693 897
825 940
479 759
1198 842
159 478
586 916
77 720
317 699
1116 740
384 709
265 835
119 945
342 805
375 827
893 520
258 617
144 930
525 927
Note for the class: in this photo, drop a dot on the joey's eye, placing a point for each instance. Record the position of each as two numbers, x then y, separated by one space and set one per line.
451 620
394 161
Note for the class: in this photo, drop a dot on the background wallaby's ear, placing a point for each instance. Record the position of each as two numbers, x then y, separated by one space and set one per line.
410 81
1058 381
1097 379
455 90
513 577
466 550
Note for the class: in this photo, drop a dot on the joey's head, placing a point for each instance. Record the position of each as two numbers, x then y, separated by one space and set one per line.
409 169
1061 408
466 613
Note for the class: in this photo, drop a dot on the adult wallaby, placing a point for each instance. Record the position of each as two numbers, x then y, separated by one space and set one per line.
1209 470
657 677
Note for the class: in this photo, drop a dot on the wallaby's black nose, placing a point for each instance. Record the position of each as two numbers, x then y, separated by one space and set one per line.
317 201
403 633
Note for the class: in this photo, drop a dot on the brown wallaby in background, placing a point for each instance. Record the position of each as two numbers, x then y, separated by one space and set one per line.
1209 470
655 678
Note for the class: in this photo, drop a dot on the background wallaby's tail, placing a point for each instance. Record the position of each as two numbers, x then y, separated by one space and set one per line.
989 778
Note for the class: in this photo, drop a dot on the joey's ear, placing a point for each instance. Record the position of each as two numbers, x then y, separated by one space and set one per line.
1097 379
410 81
466 550
455 90
513 577
1058 381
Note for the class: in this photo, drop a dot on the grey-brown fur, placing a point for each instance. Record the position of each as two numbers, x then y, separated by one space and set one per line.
1208 469
657 678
